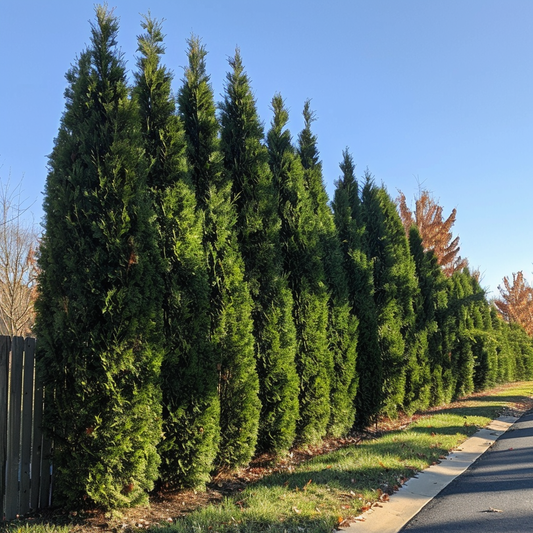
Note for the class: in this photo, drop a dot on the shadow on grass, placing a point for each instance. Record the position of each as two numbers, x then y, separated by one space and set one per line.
304 524
487 411
373 464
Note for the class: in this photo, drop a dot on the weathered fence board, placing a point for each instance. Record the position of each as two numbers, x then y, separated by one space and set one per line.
13 430
5 348
25 479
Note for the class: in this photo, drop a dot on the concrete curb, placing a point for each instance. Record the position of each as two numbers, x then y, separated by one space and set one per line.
419 490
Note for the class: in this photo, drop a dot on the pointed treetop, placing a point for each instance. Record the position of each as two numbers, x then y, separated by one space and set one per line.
279 137
236 77
307 140
196 71
347 167
348 183
104 39
153 79
239 118
281 115
151 42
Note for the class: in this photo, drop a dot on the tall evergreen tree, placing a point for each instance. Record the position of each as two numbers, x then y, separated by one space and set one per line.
395 286
98 290
246 168
231 303
342 324
425 380
189 378
347 209
305 271
198 112
463 296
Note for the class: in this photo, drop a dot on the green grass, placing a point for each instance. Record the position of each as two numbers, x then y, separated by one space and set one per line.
317 495
329 488
28 527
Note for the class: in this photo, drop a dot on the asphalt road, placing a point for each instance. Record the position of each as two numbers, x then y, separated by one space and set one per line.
494 495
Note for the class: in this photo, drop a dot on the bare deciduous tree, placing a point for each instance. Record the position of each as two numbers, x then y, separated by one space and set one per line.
18 266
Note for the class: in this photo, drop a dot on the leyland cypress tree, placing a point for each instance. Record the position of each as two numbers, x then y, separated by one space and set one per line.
231 303
342 324
246 168
421 385
347 209
99 290
430 305
198 113
462 357
189 378
305 271
395 285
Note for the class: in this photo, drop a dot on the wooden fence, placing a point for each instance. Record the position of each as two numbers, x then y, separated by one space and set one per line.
25 470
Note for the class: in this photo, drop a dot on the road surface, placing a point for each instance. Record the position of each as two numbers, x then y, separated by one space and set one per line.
494 495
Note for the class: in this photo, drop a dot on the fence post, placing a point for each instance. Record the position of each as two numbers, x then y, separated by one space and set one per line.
13 432
26 476
5 348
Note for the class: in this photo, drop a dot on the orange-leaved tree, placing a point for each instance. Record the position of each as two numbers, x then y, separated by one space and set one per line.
435 231
516 302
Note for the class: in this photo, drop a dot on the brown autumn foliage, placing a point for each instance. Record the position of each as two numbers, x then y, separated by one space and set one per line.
434 230
516 302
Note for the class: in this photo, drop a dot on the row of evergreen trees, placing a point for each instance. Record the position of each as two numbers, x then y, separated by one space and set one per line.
200 301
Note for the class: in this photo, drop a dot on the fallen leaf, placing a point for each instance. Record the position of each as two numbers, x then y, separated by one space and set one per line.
384 497
492 510
297 511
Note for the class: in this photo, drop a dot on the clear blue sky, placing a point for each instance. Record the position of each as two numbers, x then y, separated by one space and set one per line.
431 92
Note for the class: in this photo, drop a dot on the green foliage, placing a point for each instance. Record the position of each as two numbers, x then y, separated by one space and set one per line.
197 112
189 379
232 334
342 323
521 345
394 290
464 295
303 266
99 290
231 323
426 385
196 284
347 210
258 230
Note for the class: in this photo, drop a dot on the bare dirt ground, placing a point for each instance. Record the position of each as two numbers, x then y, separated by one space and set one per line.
167 506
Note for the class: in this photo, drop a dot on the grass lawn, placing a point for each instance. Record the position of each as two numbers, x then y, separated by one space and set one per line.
330 489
